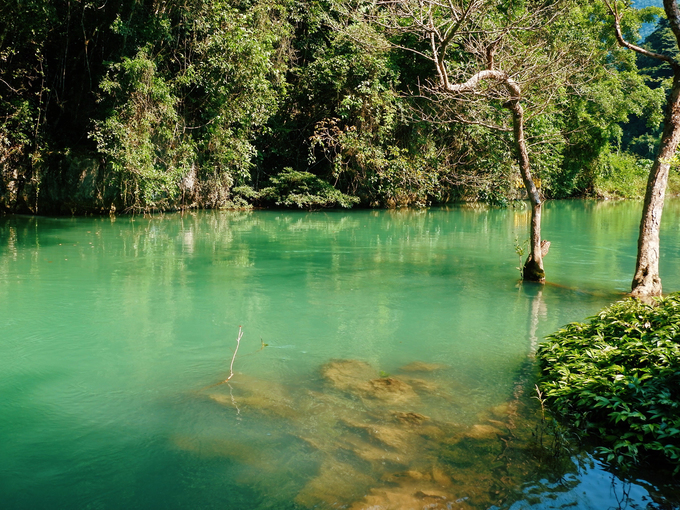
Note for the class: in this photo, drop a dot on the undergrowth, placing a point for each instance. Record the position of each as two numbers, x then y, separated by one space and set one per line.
303 190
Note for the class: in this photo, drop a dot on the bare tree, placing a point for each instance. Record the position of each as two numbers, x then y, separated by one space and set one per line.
647 281
485 56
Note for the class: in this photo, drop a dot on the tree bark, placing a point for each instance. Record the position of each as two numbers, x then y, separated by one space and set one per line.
533 267
647 281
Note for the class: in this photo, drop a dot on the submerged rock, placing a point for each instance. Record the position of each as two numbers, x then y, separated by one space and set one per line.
378 456
377 449
423 386
411 496
336 485
387 389
440 476
409 418
394 437
266 397
358 378
276 406
347 374
483 431
421 366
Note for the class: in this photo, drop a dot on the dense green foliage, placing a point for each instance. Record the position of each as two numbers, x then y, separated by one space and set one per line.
151 104
616 379
300 189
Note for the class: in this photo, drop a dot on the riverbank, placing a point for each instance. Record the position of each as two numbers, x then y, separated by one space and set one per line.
616 381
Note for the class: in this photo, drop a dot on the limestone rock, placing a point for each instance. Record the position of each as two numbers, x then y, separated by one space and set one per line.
347 374
405 497
410 418
336 484
376 455
422 386
483 431
393 437
420 366
388 389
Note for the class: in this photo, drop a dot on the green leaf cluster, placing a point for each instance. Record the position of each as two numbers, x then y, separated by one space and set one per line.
303 190
616 380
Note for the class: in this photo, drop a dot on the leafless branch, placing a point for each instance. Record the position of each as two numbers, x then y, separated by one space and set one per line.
238 344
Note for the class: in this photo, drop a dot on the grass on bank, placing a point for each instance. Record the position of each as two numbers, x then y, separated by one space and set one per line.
624 175
616 381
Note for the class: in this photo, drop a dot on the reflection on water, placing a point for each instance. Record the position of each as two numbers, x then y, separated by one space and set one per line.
396 374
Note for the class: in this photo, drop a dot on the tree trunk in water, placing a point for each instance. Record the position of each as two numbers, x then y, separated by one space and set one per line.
533 267
646 281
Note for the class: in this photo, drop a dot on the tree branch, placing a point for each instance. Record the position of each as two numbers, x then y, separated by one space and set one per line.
488 74
614 11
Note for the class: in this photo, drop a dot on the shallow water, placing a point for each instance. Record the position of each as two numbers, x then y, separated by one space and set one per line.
116 333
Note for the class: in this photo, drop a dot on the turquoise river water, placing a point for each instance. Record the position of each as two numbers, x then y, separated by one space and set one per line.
385 361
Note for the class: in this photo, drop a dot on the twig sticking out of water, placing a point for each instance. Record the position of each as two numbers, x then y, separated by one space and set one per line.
238 344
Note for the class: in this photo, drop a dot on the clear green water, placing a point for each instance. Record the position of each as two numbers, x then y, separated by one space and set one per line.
115 335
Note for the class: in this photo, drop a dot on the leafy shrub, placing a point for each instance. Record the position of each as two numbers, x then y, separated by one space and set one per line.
616 380
621 175
304 190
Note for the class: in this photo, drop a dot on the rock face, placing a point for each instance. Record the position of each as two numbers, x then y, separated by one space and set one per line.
375 446
410 418
74 183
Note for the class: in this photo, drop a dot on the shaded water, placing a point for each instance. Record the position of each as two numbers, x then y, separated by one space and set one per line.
115 335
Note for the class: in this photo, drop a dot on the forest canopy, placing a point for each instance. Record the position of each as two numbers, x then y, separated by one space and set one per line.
133 105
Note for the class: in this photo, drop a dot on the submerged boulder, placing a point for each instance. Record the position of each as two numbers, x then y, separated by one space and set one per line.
358 378
483 431
421 366
391 436
413 495
409 418
347 374
337 484
266 397
376 454
387 389
424 386
376 448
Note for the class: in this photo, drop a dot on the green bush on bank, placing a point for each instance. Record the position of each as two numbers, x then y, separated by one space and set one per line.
621 175
304 191
625 175
616 380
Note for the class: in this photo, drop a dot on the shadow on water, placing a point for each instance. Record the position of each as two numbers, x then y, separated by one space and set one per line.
601 293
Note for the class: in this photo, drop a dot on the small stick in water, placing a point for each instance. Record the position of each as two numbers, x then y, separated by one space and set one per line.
238 343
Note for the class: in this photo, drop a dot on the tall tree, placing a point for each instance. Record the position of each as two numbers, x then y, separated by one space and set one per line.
646 281
487 57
